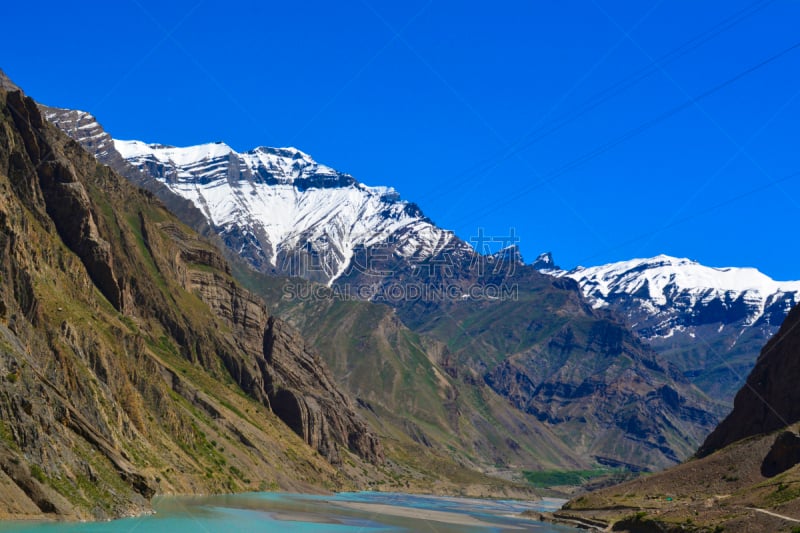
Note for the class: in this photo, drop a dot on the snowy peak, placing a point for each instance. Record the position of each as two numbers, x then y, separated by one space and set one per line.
660 279
283 155
711 320
278 208
545 262
671 294
211 160
81 125
283 211
508 255
190 155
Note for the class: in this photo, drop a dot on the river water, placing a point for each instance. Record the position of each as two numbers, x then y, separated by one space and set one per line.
363 512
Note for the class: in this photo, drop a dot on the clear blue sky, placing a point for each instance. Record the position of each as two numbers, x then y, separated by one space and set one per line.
446 102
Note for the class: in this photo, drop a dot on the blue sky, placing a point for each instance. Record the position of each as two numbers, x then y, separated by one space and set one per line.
483 114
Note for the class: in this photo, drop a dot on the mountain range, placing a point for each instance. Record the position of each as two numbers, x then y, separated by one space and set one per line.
277 208
285 214
575 370
144 316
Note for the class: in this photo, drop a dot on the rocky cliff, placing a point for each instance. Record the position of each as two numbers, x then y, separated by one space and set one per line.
6 84
770 398
132 363
273 362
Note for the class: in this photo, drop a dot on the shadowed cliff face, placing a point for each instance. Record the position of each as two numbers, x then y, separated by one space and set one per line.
770 398
285 373
131 363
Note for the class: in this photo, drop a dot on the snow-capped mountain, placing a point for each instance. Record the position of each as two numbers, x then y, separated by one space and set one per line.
698 294
282 210
712 321
276 207
285 213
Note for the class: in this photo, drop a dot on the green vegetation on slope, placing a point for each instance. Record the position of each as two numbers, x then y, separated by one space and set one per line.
555 478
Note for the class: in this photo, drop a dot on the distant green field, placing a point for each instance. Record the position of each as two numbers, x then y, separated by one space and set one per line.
554 478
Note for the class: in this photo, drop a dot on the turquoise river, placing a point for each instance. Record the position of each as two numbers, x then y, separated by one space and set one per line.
363 512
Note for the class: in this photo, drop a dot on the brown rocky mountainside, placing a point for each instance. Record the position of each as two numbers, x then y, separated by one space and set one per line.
577 370
411 400
745 477
131 363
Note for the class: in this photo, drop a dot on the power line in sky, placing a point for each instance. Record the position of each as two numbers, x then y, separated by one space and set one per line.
540 133
687 218
630 134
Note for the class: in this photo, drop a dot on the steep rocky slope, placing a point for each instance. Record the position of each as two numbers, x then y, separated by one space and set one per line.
745 476
726 491
132 363
709 322
400 383
6 84
83 127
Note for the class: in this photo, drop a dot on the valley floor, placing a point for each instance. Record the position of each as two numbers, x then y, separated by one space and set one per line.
725 491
